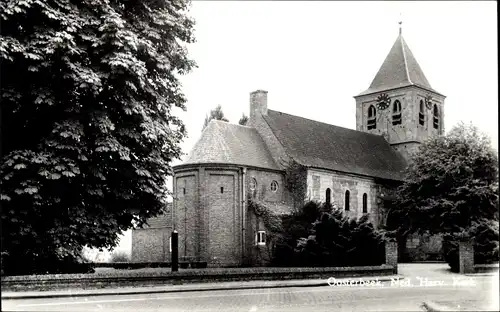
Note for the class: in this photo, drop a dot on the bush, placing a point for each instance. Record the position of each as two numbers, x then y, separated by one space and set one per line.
46 264
318 236
119 256
336 240
295 226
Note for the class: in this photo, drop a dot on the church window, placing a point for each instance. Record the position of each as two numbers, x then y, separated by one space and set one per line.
253 184
274 186
421 116
184 190
347 195
396 113
328 196
365 203
372 118
436 117
260 238
221 190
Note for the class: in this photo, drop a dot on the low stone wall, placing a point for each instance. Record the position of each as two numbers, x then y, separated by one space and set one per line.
466 260
486 268
131 278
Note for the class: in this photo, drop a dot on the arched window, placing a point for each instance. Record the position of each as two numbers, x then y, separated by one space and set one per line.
372 118
421 115
436 117
253 184
274 186
365 203
328 196
347 193
396 113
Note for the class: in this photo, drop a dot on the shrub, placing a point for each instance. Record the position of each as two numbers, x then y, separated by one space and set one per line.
320 235
119 256
336 240
46 263
294 227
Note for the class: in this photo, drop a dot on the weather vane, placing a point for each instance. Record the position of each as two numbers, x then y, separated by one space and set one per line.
400 23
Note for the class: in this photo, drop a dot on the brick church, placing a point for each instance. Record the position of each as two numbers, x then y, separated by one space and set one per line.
350 168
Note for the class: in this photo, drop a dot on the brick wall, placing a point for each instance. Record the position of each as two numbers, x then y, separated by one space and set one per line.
223 217
423 247
151 245
391 255
466 257
277 201
214 232
186 206
264 179
258 107
318 181
409 130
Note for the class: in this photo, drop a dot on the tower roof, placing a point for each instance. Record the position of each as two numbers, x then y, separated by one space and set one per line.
400 69
225 143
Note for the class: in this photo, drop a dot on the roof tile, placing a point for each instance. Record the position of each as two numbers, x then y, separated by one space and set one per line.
399 69
321 145
226 143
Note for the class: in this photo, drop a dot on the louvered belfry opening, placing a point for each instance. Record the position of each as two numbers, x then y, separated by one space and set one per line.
421 116
372 118
436 117
396 113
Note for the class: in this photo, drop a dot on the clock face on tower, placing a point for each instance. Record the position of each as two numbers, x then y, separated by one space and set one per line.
383 101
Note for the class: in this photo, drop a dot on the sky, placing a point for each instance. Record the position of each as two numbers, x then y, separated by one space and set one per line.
313 57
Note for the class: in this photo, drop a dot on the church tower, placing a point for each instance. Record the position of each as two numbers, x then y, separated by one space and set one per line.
400 104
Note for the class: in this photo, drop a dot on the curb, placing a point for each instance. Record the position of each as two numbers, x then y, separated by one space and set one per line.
116 292
482 274
434 307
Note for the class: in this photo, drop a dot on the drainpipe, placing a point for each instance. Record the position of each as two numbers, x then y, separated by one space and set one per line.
243 212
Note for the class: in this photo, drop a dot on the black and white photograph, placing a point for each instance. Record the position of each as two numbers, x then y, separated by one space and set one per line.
257 156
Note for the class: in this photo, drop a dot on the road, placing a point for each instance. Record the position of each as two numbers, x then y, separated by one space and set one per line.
408 294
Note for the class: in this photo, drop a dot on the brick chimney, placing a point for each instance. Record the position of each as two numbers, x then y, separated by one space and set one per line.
258 104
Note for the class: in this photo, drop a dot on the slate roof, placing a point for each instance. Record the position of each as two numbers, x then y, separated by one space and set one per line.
163 221
225 143
321 145
399 69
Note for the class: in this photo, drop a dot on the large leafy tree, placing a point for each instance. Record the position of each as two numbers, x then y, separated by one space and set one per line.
216 114
89 89
451 184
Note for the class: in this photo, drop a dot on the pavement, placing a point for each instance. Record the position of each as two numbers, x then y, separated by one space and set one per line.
221 286
385 297
430 287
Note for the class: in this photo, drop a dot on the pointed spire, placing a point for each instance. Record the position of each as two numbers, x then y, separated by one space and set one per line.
399 69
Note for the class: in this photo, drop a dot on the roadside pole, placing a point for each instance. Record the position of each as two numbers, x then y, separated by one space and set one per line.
175 251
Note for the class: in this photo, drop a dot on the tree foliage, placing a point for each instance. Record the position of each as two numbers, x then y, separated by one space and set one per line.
243 120
88 93
451 183
216 114
337 240
295 226
295 182
321 235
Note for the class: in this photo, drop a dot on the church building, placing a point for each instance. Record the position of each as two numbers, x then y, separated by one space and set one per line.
353 169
